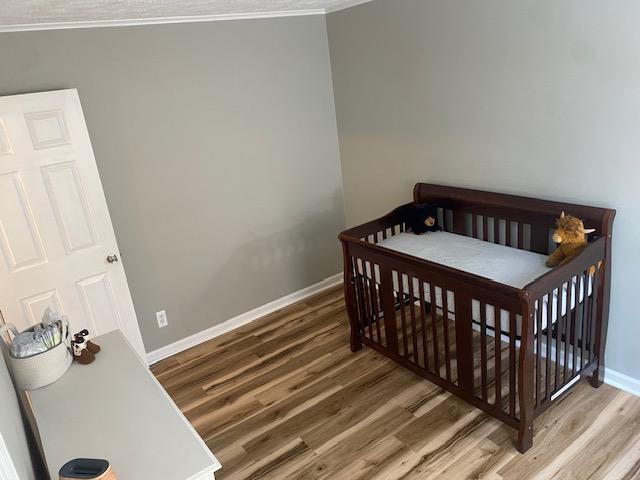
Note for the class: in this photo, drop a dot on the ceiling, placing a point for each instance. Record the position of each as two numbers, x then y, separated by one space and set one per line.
47 14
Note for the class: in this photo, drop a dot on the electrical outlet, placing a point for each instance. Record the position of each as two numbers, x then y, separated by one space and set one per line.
161 316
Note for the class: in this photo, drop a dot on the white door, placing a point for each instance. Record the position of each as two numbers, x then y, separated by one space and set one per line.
58 248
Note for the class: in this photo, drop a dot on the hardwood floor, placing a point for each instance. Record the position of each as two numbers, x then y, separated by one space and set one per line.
284 398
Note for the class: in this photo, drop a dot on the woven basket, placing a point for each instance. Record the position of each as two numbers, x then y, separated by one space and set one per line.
43 369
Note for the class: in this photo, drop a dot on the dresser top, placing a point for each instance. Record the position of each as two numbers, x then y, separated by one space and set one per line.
116 410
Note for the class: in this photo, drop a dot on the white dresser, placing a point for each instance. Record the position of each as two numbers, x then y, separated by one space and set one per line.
115 409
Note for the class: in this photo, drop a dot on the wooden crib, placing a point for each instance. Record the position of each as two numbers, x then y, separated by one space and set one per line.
436 320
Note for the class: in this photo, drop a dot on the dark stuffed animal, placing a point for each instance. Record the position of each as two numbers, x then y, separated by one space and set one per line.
423 218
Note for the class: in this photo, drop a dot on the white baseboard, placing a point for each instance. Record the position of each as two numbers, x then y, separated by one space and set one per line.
611 377
242 319
622 381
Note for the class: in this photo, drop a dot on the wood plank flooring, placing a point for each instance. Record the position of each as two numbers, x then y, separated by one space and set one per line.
284 398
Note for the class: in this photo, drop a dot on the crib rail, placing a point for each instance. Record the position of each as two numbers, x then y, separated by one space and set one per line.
518 222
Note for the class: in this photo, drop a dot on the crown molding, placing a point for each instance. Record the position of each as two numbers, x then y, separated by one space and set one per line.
130 22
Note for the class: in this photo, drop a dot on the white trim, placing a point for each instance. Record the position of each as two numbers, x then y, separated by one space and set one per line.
242 319
611 377
345 5
622 381
129 22
7 469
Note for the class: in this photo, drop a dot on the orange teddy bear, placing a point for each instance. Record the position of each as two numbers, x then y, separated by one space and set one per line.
571 237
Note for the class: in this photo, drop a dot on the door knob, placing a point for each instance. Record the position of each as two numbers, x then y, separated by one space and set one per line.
112 258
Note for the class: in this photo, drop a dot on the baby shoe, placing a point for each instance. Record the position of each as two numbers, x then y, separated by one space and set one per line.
92 347
80 351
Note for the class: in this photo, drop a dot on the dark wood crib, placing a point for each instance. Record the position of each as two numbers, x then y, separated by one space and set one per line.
513 374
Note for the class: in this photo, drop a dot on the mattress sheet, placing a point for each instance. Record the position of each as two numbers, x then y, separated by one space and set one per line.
500 263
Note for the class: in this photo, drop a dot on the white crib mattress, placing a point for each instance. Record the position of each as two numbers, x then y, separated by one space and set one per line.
506 265
502 264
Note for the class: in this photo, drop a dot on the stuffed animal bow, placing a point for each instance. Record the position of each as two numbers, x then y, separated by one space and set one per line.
571 237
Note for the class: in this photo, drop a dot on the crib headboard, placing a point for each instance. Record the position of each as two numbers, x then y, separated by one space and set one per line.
521 222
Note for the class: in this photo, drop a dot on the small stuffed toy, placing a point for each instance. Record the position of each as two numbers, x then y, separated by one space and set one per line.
423 218
84 350
571 237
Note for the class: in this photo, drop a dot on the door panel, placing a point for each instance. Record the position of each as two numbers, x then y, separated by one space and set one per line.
55 228
47 129
21 242
70 207
35 305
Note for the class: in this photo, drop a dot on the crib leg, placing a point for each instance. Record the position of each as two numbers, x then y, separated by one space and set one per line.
525 437
597 377
355 341
526 382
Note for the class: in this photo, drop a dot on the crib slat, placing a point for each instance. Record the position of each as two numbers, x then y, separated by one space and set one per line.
567 326
576 324
539 349
559 329
585 320
459 222
423 321
559 344
587 340
360 300
474 225
367 302
496 230
594 309
374 303
412 310
434 328
483 348
388 307
371 315
547 391
507 226
521 235
445 320
403 316
463 341
485 228
512 363
497 345
539 238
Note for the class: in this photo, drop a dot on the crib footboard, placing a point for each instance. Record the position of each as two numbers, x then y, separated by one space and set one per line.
462 332
573 347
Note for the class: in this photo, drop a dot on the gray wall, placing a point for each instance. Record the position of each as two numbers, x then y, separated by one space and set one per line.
532 97
11 427
218 151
